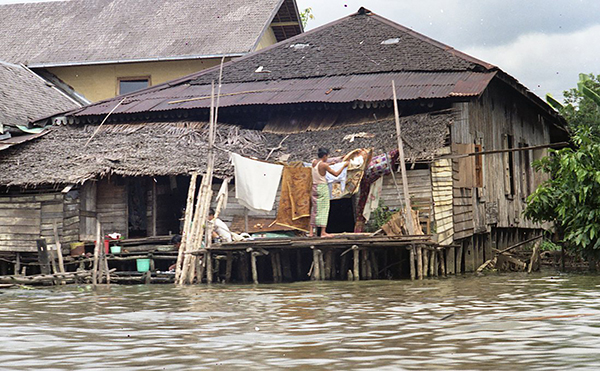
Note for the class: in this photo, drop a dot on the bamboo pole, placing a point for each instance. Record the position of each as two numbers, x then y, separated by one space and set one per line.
96 253
187 221
407 207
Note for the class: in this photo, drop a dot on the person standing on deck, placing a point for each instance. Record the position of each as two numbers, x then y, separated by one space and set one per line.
320 192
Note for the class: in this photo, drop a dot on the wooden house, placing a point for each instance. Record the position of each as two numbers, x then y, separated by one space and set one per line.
329 87
103 48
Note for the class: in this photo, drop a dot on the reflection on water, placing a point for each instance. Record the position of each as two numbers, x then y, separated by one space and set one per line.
508 321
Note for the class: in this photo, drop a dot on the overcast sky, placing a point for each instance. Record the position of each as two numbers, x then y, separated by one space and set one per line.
543 43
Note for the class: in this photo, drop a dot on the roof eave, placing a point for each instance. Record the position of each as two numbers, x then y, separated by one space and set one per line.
140 60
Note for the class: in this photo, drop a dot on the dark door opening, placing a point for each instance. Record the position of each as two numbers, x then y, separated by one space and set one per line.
137 200
341 216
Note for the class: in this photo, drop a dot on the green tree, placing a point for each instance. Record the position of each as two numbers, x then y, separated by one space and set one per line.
306 15
581 105
571 197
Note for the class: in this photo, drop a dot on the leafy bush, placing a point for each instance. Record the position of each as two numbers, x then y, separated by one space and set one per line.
379 217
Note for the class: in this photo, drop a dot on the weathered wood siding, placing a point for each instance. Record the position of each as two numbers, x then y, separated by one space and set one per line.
419 188
441 180
26 218
111 205
495 119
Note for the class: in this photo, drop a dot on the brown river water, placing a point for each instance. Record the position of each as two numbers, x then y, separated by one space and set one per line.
499 321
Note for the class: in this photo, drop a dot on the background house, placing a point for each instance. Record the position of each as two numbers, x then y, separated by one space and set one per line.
25 97
103 48
331 87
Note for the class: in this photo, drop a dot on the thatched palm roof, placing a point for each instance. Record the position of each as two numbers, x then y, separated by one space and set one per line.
159 149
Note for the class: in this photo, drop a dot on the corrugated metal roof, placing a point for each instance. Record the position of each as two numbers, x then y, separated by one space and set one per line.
332 89
7 143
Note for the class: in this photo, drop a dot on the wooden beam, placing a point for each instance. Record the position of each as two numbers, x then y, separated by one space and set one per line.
496 151
284 24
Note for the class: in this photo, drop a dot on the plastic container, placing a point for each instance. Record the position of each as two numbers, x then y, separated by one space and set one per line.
115 249
77 248
143 265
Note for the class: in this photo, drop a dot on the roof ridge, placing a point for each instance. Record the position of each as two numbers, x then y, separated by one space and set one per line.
427 39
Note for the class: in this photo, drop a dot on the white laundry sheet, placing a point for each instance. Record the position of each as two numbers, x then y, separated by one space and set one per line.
256 182
337 179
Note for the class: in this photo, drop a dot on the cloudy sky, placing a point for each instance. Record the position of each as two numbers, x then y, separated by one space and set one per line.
543 43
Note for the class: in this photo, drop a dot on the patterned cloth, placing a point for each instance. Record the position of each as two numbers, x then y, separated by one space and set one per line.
378 167
295 200
320 205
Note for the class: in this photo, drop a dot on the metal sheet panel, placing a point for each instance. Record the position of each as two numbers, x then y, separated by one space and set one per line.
330 89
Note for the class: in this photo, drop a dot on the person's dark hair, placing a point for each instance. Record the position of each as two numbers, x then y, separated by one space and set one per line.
211 212
176 239
322 152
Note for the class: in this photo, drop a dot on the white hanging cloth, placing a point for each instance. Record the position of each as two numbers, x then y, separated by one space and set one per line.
256 182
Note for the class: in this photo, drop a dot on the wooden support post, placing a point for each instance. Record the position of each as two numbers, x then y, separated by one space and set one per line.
244 267
286 266
59 255
107 270
469 255
209 267
459 259
350 275
316 276
322 265
228 267
363 264
426 262
274 267
148 278
328 264
420 262
200 268
356 257
411 261
436 265
253 255
441 258
97 248
450 260
366 263
374 265
298 264
17 264
344 266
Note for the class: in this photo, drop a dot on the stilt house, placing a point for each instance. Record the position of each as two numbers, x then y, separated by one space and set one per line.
329 87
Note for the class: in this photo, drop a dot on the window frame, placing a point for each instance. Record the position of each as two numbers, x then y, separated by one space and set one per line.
132 78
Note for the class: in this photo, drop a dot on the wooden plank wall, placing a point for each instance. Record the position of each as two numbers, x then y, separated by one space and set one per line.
419 188
26 218
112 207
486 121
441 180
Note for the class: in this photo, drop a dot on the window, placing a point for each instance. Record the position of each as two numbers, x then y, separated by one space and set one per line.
527 178
478 167
509 167
129 85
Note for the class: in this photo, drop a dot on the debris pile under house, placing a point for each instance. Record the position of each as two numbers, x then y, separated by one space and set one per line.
443 174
